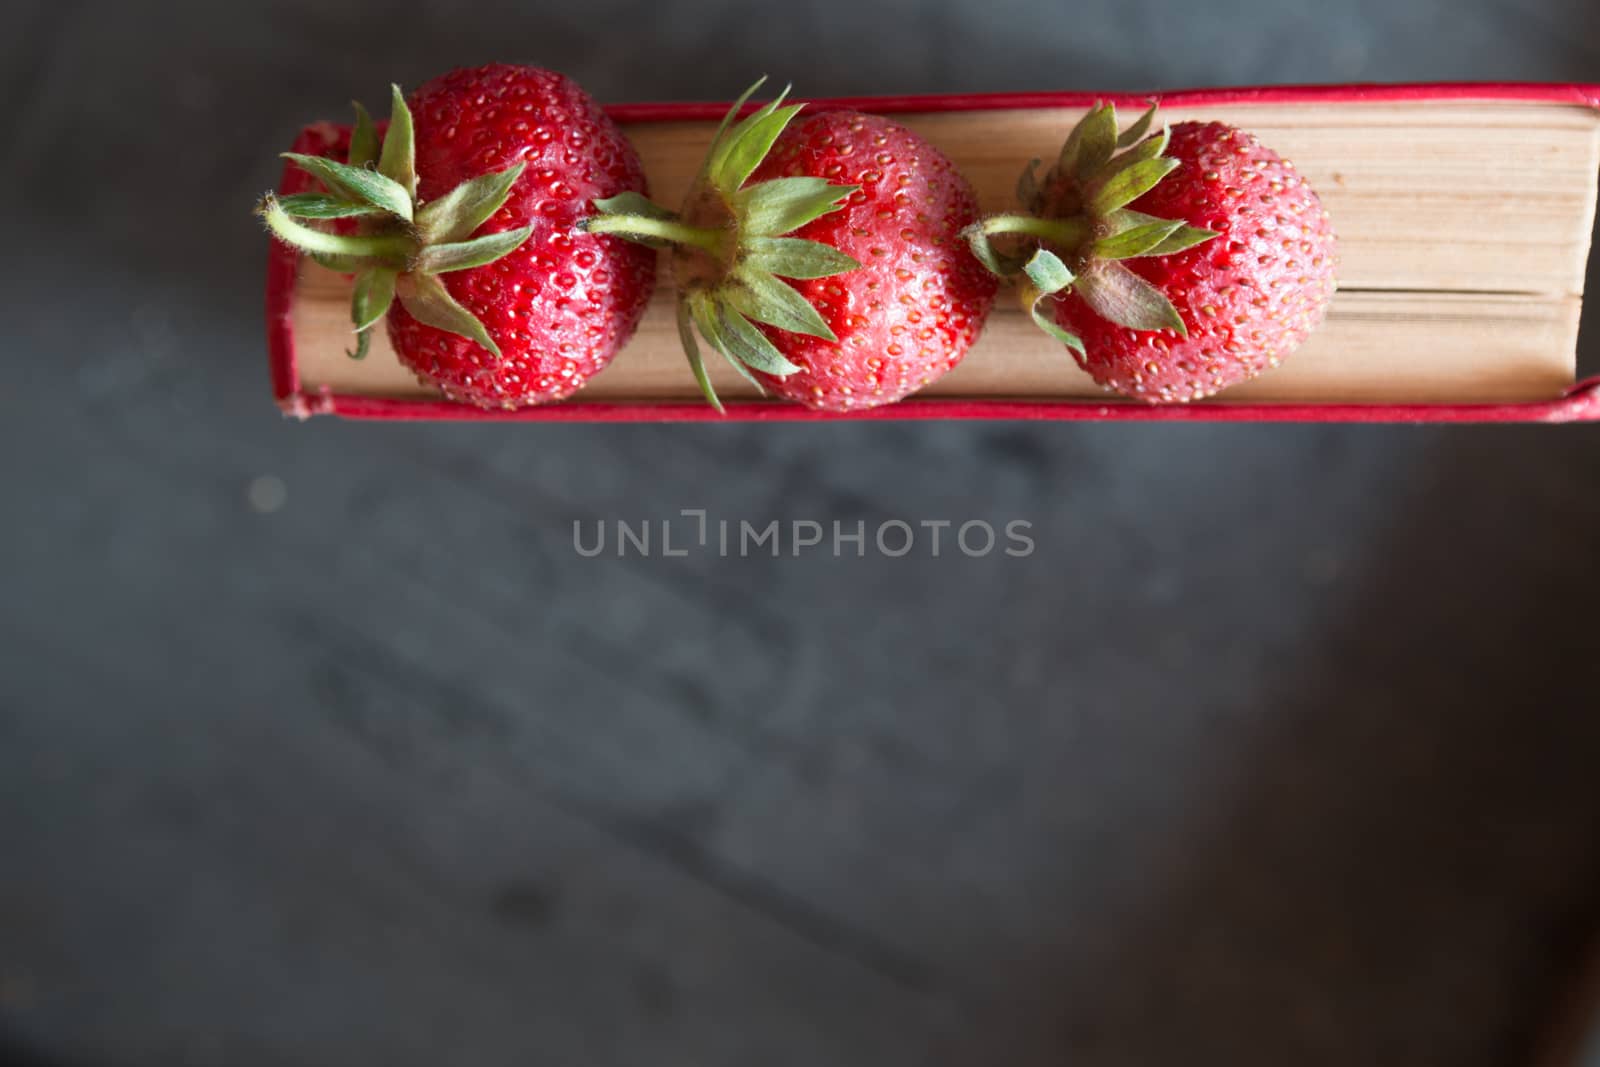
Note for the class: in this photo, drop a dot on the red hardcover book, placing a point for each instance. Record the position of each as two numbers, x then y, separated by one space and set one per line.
1464 213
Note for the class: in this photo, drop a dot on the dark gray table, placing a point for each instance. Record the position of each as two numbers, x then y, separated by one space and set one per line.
319 745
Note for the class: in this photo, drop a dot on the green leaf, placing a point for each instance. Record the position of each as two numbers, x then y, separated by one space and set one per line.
785 204
747 145
759 296
733 112
370 302
363 139
1149 148
441 259
1039 311
744 372
373 294
691 349
323 206
1138 241
1130 184
752 347
399 160
1156 144
356 183
1134 133
1091 143
1047 277
1182 239
792 257
428 301
1127 219
1028 183
1047 273
983 249
1118 295
734 127
704 312
746 152
456 215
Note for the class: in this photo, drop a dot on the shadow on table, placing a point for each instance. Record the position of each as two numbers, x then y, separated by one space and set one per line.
1412 838
15 1052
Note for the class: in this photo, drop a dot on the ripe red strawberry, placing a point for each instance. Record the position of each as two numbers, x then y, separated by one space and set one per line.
914 307
469 221
871 297
1192 261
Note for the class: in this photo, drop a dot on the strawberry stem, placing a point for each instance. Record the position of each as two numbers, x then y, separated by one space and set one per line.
1065 233
308 239
679 233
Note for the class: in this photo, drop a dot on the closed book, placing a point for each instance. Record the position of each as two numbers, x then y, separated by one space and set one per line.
1464 214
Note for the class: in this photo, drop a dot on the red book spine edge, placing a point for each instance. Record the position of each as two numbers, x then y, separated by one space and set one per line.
1580 403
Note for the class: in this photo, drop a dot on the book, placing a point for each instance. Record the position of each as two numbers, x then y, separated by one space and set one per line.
1464 215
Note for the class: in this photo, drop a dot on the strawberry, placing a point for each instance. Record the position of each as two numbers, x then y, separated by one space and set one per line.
1172 265
822 259
465 235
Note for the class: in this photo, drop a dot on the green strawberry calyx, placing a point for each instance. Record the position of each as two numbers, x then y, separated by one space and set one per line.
1078 227
730 247
401 245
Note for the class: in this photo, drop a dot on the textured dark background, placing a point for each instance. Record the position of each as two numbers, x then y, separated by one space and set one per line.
1282 747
